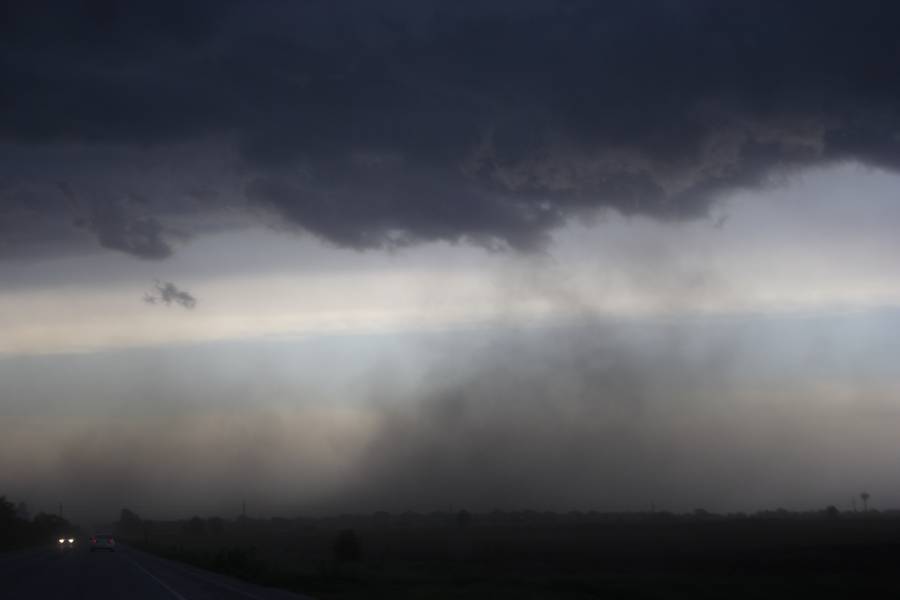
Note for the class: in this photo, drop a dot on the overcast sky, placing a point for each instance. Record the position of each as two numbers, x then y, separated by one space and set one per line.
420 254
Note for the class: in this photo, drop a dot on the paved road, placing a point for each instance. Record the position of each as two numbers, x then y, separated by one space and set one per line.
50 573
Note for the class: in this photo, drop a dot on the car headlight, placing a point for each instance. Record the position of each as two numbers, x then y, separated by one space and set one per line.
62 541
71 540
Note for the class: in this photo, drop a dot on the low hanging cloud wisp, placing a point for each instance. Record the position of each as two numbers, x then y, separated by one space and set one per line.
168 293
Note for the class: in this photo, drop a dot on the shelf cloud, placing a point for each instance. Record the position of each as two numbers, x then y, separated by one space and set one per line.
379 126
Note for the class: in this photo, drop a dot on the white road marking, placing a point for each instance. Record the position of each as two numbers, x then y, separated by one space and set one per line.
201 576
156 579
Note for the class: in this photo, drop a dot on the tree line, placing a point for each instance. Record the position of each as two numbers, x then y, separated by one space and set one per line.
19 530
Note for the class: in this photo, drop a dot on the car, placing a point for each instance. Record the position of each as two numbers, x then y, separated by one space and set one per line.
103 541
65 542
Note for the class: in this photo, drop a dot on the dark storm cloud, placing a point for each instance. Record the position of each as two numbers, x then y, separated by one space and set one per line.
387 124
141 236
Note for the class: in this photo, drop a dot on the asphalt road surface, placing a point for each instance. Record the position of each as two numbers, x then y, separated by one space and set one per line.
50 573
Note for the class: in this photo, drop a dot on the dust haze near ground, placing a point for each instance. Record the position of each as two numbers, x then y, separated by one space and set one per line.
677 414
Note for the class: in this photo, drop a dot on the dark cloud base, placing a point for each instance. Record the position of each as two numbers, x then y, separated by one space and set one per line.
374 125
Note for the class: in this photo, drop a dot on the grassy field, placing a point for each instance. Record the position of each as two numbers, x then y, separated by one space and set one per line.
539 555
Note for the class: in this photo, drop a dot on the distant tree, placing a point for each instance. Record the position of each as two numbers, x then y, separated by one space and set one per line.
9 524
22 511
7 511
129 525
463 518
865 498
347 547
128 518
195 526
215 525
148 531
46 524
832 512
